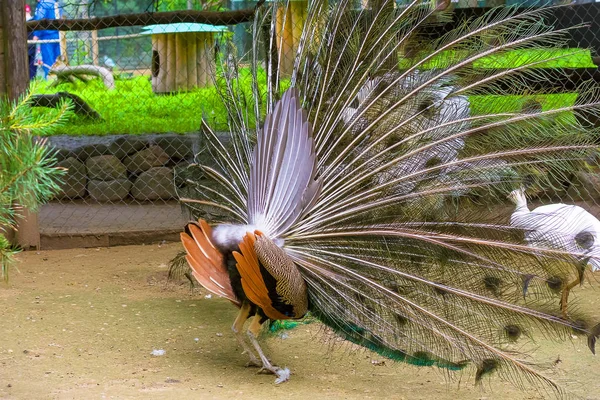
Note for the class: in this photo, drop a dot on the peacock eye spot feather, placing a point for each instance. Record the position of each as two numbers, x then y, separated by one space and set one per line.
513 332
440 291
360 298
487 366
531 107
400 319
432 162
492 283
555 283
584 240
392 140
424 105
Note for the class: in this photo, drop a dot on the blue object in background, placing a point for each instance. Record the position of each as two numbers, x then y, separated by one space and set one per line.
50 51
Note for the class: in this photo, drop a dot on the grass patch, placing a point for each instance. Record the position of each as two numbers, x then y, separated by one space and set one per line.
560 58
133 108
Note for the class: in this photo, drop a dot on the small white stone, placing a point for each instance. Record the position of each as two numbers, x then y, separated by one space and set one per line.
159 352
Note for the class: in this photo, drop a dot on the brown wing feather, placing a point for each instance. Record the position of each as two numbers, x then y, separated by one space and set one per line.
206 261
252 280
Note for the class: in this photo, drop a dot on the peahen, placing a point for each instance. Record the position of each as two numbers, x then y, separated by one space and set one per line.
563 227
359 187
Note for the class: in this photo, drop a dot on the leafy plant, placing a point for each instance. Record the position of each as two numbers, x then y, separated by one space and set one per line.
28 176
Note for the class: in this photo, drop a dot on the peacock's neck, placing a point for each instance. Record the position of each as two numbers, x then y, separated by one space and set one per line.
227 237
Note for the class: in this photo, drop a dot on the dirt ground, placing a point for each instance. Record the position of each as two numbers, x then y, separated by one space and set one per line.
82 324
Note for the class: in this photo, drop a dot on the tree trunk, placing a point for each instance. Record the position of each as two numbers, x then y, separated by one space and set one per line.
14 67
14 80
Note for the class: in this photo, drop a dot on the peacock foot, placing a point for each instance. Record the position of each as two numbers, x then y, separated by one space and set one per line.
253 363
283 374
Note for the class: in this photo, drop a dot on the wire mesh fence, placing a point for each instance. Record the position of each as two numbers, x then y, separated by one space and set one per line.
142 91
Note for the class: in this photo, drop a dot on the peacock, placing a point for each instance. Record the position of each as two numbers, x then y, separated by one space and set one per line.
360 186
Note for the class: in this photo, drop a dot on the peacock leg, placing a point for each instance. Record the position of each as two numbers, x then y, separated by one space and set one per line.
565 296
237 327
253 330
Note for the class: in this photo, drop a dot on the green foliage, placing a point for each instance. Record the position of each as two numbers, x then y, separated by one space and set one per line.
206 5
561 58
133 108
27 173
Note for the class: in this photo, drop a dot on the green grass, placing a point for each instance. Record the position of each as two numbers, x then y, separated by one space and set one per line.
132 108
561 58
481 105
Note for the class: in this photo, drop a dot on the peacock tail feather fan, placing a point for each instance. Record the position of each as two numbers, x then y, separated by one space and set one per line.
418 142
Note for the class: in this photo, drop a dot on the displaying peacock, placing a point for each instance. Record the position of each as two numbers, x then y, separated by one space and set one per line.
361 186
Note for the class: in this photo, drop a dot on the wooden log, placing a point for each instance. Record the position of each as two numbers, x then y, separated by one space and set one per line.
180 62
288 42
205 58
63 71
192 66
299 9
171 52
159 73
80 107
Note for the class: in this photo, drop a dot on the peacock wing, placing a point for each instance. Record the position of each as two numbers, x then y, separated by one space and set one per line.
270 279
282 173
206 261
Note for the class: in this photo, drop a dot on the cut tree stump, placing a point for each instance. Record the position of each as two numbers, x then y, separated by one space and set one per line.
82 72
80 107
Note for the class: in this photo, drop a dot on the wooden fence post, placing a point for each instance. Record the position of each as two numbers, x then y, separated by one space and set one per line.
14 80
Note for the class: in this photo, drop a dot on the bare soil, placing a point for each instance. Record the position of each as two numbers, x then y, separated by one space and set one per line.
82 324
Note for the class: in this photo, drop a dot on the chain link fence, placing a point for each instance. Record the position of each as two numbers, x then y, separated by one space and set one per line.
141 90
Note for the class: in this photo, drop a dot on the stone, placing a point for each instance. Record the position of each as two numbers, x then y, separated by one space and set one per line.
109 191
91 150
153 156
126 145
63 154
153 184
178 147
585 186
74 181
105 168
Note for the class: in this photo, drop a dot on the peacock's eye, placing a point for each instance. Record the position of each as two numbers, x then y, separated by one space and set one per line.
425 104
584 240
